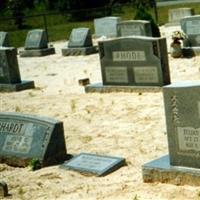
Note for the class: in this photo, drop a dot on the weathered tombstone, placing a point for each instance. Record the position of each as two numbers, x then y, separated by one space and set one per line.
134 27
10 79
191 27
94 164
80 43
182 111
36 44
3 189
27 137
175 15
106 26
132 61
4 42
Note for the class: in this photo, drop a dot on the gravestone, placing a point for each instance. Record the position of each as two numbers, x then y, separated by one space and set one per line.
175 15
134 27
94 164
3 189
80 43
191 27
133 61
182 111
36 44
106 26
4 42
27 137
10 79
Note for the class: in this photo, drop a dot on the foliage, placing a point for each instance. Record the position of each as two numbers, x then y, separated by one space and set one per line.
35 164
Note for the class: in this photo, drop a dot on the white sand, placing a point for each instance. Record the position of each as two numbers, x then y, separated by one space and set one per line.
128 125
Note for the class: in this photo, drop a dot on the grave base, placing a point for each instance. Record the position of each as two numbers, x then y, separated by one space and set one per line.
79 51
100 88
37 52
160 170
24 85
172 24
190 51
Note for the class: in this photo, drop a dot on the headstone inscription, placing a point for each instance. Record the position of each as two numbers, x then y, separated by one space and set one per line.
182 111
94 164
134 27
36 44
10 79
4 42
106 26
138 61
175 15
80 43
26 137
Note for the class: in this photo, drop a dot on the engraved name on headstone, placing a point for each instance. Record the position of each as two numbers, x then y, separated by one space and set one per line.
106 26
134 27
134 61
26 137
94 164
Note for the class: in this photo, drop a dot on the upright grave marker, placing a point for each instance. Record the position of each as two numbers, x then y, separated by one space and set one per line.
4 42
134 27
80 43
106 26
36 44
10 79
182 110
26 137
133 61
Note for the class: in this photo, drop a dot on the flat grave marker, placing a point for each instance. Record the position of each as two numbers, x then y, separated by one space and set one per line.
94 164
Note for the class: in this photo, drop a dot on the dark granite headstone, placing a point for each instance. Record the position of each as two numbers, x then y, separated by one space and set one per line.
106 26
182 111
134 27
4 42
10 79
3 189
26 137
138 61
80 43
94 164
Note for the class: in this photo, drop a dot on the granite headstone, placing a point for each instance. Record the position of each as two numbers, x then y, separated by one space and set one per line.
138 61
106 26
10 79
4 41
134 27
26 137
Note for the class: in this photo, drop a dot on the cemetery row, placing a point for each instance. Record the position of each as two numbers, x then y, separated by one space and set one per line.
128 62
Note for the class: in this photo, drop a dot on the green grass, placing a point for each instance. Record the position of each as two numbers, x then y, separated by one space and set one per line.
59 28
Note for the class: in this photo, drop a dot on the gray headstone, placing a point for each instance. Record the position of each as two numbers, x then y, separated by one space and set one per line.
26 137
94 164
191 27
106 26
182 110
36 39
138 61
80 37
134 27
4 39
9 69
175 15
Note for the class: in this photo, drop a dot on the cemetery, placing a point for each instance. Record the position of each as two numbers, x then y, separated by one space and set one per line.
108 114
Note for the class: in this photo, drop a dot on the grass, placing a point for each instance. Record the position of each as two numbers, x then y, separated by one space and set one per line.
59 28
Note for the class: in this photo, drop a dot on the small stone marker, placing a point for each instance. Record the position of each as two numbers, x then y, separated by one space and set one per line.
27 137
80 43
134 27
84 81
94 164
36 44
182 110
3 189
4 42
106 26
133 61
10 79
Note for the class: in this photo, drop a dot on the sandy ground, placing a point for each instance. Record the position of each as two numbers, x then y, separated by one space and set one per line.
129 125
